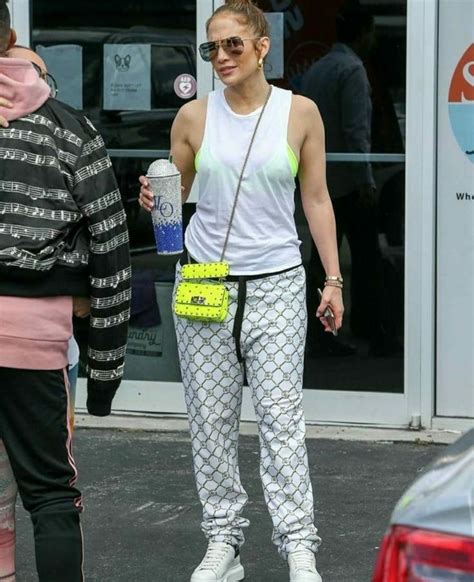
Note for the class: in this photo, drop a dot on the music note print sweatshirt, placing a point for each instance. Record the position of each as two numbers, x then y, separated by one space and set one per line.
63 233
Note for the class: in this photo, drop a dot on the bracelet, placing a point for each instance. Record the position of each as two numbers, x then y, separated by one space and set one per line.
337 278
332 283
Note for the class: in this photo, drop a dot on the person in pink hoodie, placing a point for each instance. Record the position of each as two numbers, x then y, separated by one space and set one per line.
81 308
8 485
62 234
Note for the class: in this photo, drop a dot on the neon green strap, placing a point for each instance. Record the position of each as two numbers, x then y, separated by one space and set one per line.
293 160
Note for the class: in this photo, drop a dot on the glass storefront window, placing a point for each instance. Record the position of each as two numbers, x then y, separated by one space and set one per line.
368 354
120 63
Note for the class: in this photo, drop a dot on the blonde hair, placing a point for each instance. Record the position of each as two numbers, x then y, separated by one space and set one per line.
247 12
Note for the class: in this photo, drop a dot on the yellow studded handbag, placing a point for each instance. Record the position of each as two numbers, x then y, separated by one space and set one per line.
198 297
202 301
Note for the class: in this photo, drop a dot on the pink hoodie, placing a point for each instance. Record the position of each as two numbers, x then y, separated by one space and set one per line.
20 84
33 332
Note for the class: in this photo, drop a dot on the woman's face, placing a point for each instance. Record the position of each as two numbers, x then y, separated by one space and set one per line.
231 68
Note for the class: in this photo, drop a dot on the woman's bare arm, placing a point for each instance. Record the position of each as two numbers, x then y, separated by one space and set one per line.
316 201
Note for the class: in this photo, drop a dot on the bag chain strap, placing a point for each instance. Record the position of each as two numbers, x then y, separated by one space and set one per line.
242 174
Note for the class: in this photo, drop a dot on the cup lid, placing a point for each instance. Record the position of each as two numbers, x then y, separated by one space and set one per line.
161 168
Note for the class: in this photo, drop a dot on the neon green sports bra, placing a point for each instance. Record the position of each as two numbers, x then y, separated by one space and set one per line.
293 160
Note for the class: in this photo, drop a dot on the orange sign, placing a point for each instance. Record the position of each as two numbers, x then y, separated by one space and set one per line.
462 85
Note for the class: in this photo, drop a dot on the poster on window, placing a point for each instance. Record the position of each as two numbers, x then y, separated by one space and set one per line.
275 61
455 211
127 77
64 63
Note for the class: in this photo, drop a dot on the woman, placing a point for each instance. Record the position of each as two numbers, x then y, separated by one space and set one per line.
213 135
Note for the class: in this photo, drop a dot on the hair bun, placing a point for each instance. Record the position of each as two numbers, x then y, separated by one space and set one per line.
247 12
239 3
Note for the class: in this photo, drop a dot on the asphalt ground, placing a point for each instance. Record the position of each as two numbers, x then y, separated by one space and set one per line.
142 517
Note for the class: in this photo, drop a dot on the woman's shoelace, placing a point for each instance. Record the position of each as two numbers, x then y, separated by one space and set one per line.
213 557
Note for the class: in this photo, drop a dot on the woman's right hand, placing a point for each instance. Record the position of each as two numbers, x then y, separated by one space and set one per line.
145 198
8 104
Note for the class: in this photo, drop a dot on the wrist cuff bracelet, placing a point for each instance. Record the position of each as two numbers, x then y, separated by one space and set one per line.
337 278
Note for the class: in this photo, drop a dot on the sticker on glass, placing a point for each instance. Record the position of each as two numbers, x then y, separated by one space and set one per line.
127 77
275 61
185 86
64 63
461 103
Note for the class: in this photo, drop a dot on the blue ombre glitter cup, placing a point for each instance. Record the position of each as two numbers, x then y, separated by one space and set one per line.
165 183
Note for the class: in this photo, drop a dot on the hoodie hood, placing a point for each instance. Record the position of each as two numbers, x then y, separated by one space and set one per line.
20 84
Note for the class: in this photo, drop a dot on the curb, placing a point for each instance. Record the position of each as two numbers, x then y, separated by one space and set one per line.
144 423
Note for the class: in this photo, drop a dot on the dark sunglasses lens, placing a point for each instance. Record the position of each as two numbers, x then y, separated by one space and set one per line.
235 44
207 50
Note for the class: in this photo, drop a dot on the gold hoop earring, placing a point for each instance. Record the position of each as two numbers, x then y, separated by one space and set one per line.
260 63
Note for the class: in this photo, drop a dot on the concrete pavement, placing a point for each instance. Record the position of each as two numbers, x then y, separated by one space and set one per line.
142 515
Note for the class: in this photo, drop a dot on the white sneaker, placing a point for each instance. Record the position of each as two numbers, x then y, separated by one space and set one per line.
302 565
220 564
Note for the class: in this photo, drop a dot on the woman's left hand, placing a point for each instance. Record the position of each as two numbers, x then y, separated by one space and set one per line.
8 104
332 297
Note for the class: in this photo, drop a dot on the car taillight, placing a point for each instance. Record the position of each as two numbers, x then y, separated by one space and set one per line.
415 555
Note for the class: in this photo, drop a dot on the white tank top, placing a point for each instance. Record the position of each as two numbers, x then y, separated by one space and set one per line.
263 238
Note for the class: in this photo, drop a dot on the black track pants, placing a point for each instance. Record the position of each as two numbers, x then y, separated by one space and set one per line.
35 430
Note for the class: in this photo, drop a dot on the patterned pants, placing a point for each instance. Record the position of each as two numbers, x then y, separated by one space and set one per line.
272 344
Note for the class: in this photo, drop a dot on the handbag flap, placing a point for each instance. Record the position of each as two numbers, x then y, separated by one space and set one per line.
200 294
205 270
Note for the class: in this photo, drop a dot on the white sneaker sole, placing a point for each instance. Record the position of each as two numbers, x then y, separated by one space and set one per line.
305 578
235 574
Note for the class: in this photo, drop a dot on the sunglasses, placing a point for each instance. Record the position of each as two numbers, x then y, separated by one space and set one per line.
234 46
50 80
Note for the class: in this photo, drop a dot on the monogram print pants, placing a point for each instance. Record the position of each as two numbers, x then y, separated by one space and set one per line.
272 344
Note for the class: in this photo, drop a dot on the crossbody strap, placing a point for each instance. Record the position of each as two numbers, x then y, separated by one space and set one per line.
242 174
